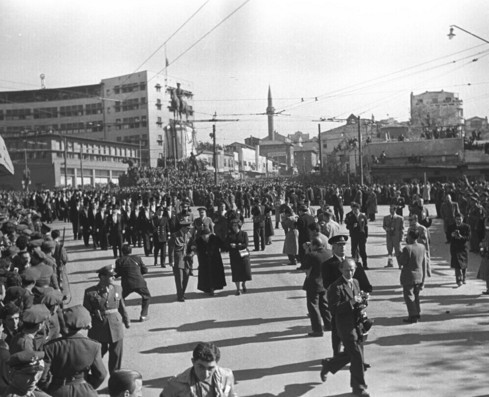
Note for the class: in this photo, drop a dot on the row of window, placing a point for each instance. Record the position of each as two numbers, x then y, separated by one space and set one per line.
131 122
130 87
51 112
129 104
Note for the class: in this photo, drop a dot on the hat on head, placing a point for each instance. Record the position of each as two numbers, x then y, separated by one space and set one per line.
27 232
184 223
27 360
30 275
106 271
21 227
338 239
36 243
201 209
36 314
52 297
329 211
47 245
77 317
354 205
303 208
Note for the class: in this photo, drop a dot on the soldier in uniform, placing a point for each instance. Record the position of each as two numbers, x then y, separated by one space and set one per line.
106 306
74 361
131 269
33 333
26 369
179 253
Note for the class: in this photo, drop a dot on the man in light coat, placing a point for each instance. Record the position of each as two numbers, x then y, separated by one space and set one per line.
412 263
393 225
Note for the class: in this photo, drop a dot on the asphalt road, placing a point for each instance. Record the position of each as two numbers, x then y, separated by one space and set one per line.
263 333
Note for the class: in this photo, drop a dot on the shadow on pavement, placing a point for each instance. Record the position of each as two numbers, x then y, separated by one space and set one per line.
449 338
209 324
265 337
291 390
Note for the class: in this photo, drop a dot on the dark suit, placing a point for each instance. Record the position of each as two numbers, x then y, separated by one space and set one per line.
91 224
305 233
317 304
101 229
131 268
116 229
412 262
85 225
161 234
358 227
145 226
341 303
108 316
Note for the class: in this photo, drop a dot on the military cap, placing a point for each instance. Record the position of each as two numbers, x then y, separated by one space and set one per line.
52 297
36 243
27 232
36 314
185 224
328 211
27 360
30 275
354 205
303 208
13 250
106 271
186 201
47 245
201 209
77 317
338 239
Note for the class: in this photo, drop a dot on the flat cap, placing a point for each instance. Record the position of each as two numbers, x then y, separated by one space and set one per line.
106 271
30 275
201 209
36 314
52 297
338 239
27 360
47 245
77 317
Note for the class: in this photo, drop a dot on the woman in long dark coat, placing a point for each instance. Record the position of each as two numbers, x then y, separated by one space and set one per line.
240 262
211 269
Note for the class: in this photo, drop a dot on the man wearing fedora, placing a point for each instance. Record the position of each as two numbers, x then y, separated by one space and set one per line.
106 306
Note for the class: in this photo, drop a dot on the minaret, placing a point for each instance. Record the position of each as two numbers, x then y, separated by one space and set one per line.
270 113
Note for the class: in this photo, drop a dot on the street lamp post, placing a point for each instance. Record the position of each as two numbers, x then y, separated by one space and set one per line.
451 35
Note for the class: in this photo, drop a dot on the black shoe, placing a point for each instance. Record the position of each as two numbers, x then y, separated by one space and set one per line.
328 327
324 369
181 299
366 366
410 320
300 268
163 265
315 334
360 392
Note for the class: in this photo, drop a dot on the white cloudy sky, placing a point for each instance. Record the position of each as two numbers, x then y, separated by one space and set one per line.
358 56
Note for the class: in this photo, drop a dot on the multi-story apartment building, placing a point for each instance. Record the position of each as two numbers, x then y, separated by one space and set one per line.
436 109
139 108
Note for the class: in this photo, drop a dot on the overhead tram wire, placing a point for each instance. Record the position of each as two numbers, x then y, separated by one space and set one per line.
206 34
373 80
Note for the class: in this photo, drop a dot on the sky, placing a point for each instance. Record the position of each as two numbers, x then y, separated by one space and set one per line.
361 57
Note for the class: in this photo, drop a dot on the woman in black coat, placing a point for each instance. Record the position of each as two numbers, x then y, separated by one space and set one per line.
211 269
239 255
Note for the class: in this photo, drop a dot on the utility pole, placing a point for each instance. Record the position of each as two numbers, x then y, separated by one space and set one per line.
66 160
140 152
320 151
360 160
81 163
214 120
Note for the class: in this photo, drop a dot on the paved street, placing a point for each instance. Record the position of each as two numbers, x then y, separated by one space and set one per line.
263 333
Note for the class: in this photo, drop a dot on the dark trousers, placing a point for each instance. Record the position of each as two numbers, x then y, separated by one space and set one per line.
147 244
102 238
411 297
354 355
338 213
86 237
160 248
115 354
358 247
145 295
335 338
460 274
181 281
95 239
259 236
317 307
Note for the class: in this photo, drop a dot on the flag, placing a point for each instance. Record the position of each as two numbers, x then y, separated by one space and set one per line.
167 63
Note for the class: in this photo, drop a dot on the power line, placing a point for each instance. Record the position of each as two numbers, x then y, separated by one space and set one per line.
206 34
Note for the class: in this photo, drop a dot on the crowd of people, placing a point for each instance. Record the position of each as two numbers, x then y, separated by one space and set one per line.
42 327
